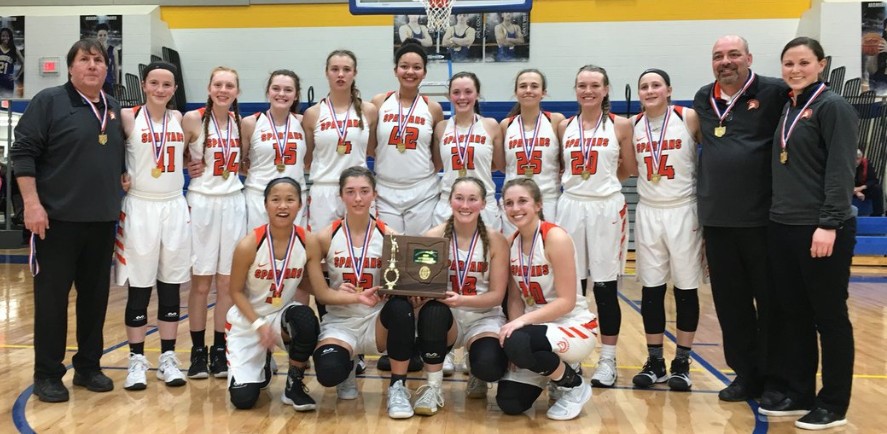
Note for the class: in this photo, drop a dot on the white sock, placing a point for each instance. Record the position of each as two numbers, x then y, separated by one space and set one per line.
608 352
435 379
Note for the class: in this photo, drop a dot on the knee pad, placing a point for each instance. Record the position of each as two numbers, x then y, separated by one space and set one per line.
435 320
487 359
687 307
168 302
528 348
303 328
397 317
515 398
333 364
243 396
608 310
653 309
136 313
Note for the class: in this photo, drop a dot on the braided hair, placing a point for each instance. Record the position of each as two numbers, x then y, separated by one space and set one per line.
481 227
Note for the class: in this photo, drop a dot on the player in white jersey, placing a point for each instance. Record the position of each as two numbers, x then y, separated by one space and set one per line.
597 154
268 268
405 152
339 130
218 214
667 234
153 238
549 330
471 314
352 248
531 148
275 146
467 142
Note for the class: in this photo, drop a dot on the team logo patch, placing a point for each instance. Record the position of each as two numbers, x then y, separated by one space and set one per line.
807 114
563 346
753 104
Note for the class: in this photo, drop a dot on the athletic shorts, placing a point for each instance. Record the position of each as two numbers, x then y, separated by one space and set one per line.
217 225
668 242
409 211
153 242
469 324
246 355
572 341
359 333
599 229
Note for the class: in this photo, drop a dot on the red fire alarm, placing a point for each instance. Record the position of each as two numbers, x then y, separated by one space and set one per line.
49 65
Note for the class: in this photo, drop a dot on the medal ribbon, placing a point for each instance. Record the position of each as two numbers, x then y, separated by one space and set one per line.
356 265
278 275
714 102
656 148
527 272
158 150
32 256
461 273
785 135
401 120
226 144
528 149
583 147
343 131
102 118
462 148
281 144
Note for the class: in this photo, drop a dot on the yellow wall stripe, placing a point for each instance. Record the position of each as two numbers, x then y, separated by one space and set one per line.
544 11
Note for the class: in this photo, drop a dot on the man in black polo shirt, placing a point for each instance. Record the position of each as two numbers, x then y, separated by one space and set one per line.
68 158
738 114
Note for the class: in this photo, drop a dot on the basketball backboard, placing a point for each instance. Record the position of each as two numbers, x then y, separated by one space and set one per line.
416 7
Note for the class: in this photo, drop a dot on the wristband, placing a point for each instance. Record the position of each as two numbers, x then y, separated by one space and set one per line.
257 324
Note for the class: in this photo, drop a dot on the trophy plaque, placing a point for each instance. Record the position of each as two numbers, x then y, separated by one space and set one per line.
415 266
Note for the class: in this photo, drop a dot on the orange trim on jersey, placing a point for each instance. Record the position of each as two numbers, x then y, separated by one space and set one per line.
544 228
260 235
591 325
227 326
566 332
380 226
612 116
335 226
300 233
388 95
679 111
120 258
581 335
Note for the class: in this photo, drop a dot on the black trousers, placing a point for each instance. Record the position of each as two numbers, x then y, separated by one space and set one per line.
737 261
810 296
80 254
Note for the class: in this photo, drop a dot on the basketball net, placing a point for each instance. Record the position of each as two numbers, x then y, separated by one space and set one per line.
438 13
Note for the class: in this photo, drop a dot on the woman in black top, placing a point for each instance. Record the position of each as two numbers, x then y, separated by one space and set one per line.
811 239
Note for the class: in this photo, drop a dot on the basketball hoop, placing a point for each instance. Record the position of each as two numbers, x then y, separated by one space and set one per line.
438 13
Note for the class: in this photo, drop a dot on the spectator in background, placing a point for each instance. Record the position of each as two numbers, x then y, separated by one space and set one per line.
868 195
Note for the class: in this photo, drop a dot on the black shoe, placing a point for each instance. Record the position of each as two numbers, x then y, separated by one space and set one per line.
771 397
786 407
50 390
199 363
679 380
653 372
296 393
94 381
218 362
820 418
361 365
737 391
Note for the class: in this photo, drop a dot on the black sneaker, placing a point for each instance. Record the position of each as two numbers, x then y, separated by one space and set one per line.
679 379
361 365
50 390
199 363
787 407
737 391
653 372
296 393
94 381
218 362
820 418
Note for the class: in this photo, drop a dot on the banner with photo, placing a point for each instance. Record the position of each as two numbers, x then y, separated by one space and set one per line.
12 57
493 37
874 47
108 29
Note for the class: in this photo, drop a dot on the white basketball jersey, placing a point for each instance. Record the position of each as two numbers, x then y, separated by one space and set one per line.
263 294
265 156
676 170
544 160
341 269
477 278
326 162
478 155
541 288
213 181
404 169
140 163
602 160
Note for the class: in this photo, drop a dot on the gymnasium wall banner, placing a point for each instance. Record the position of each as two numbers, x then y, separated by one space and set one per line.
874 47
12 57
109 30
493 37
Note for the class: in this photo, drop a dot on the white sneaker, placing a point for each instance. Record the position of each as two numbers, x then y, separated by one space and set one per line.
399 401
449 365
476 389
348 388
169 371
430 400
136 379
605 373
570 403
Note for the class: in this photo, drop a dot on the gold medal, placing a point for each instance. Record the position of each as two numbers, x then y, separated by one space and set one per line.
783 156
155 172
281 168
103 138
656 177
401 147
225 174
276 301
340 149
462 173
720 130
529 300
528 172
585 174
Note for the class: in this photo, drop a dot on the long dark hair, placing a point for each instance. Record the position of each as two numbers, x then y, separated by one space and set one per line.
294 108
473 77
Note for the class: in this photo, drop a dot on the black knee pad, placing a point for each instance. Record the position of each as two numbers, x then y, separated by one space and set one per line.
487 359
303 329
608 310
435 320
653 309
397 317
687 307
168 302
333 364
515 398
136 313
528 348
244 396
